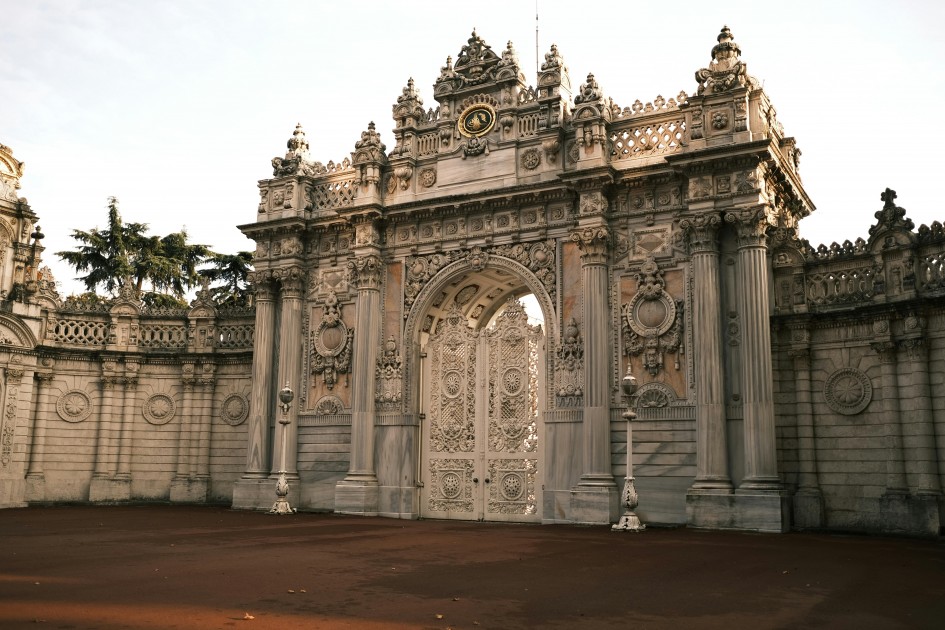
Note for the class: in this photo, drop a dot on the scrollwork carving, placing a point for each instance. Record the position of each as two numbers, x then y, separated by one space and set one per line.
389 375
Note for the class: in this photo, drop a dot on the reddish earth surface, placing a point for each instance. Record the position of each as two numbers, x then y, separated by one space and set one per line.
193 567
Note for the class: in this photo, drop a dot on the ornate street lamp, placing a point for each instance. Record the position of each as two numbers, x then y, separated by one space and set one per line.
629 522
281 506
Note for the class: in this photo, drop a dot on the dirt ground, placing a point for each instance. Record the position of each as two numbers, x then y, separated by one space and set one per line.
205 567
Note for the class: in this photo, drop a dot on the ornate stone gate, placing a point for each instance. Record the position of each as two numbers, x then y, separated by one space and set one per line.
481 447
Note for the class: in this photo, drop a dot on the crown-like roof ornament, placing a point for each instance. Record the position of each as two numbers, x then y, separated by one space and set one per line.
410 95
370 140
297 144
891 217
11 170
476 63
726 71
590 92
553 59
297 160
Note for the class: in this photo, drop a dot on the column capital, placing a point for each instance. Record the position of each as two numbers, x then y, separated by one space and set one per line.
291 280
261 284
366 271
594 243
702 232
751 226
886 351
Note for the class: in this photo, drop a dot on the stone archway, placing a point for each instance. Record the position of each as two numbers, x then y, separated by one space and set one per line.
480 374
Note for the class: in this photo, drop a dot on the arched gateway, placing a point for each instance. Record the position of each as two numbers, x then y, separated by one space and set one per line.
641 233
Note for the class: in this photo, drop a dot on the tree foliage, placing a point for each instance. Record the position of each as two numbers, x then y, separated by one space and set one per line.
162 269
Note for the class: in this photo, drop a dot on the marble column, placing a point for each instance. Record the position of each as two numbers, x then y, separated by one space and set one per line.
291 347
895 466
262 401
595 498
358 492
761 463
711 441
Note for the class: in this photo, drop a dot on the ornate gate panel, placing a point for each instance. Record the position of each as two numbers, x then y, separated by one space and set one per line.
480 452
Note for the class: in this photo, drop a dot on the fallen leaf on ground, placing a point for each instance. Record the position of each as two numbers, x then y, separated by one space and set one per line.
247 617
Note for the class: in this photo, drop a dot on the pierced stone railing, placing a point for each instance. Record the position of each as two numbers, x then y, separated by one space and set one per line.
845 286
528 125
165 336
333 194
80 332
236 336
931 272
655 137
428 144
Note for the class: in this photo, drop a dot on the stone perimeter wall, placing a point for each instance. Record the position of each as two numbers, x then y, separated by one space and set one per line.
120 404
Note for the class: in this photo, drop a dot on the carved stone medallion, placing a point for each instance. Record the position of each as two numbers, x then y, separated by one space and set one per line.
234 410
158 409
477 120
848 391
74 406
531 159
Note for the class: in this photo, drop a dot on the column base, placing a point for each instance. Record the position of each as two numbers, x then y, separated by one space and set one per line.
909 515
357 495
708 485
743 510
109 490
808 509
35 489
594 505
189 490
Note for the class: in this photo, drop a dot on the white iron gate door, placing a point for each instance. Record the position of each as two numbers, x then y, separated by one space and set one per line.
480 455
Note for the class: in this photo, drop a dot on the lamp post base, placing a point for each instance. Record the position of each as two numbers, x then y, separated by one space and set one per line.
281 506
629 522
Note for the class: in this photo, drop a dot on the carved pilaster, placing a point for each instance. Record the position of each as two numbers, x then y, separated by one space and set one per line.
38 453
918 430
262 400
895 466
808 507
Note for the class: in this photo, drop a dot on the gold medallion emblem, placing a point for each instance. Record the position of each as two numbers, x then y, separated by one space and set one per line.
476 120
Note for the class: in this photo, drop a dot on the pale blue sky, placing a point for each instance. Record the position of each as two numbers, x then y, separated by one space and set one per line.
177 107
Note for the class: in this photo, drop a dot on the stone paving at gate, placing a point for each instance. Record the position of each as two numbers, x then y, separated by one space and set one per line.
160 566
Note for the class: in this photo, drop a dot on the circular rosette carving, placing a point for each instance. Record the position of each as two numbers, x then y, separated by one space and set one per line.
647 314
427 177
234 410
848 391
74 406
158 409
531 159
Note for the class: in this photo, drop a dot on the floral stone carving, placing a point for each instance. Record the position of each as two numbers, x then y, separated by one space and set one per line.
848 391
234 410
389 374
158 409
74 406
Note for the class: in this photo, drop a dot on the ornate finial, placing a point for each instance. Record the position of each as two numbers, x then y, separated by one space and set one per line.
889 197
726 71
297 144
891 217
410 94
553 59
370 139
11 170
590 91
